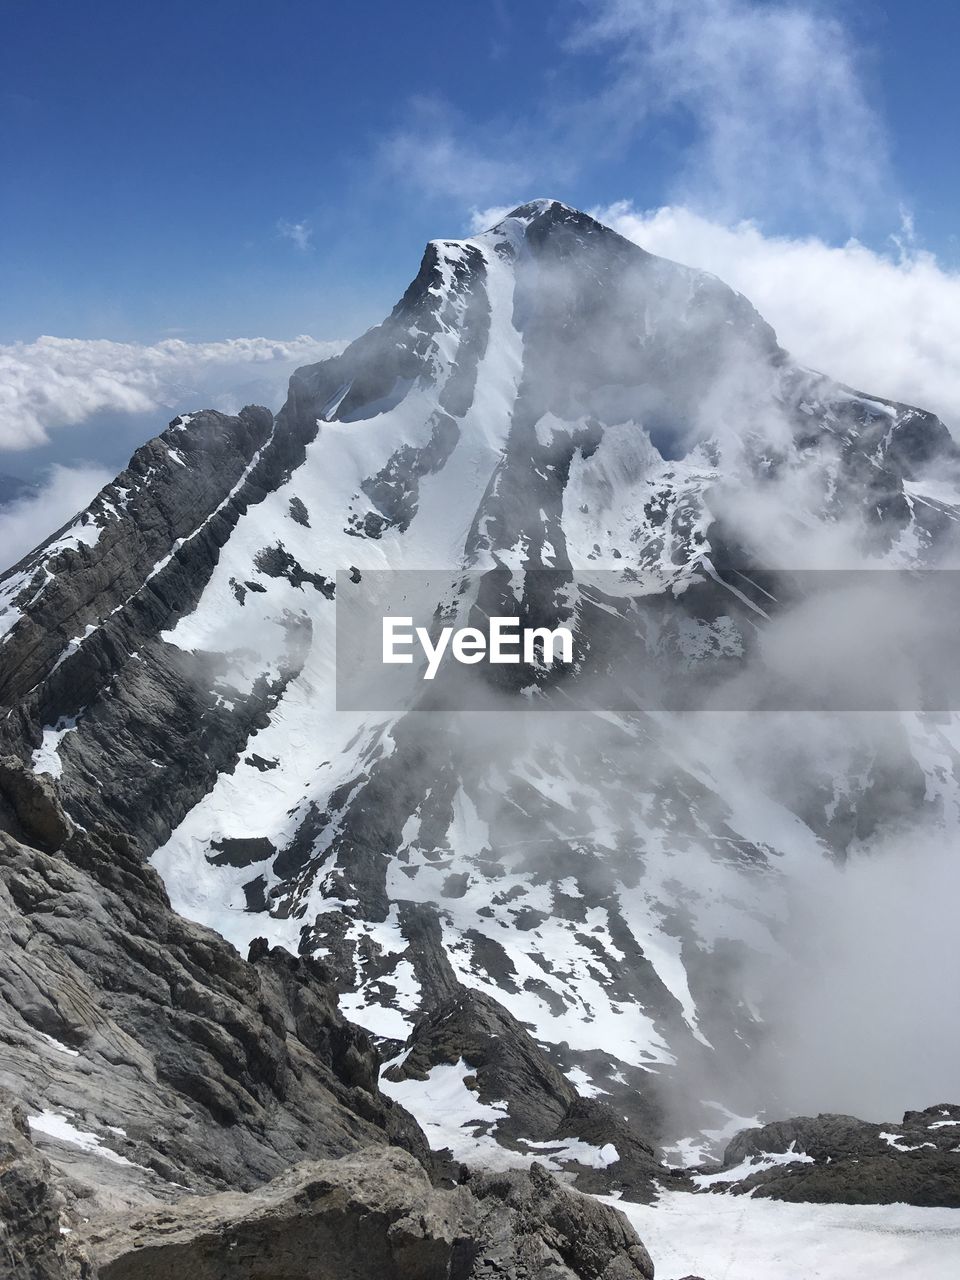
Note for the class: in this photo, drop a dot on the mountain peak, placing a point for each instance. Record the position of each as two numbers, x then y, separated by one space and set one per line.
538 218
544 206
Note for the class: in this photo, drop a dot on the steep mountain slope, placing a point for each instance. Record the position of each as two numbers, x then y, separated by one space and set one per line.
545 396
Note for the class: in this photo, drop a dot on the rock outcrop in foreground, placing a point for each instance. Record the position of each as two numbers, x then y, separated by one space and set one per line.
375 1214
172 1110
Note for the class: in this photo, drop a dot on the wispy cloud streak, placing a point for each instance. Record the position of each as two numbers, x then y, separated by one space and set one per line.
773 93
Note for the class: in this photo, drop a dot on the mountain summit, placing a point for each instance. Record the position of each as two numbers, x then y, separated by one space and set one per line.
544 923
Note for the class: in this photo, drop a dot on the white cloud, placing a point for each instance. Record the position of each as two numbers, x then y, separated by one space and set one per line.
888 325
781 121
299 233
873 946
56 382
763 100
31 519
484 219
436 154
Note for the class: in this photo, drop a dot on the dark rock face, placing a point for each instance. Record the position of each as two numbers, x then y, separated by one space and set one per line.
638 1173
542 1107
277 562
31 806
92 603
115 1011
162 503
394 490
847 1161
505 1060
558 1232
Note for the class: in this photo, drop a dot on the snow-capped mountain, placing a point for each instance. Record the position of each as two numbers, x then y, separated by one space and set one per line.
535 914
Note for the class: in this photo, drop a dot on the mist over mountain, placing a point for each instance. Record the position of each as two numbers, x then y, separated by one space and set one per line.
604 940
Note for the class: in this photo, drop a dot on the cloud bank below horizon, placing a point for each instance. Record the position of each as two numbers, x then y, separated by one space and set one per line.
54 383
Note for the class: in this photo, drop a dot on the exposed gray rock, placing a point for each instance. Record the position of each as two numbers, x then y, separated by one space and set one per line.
510 1069
375 1214
89 618
31 806
553 1233
508 1065
153 504
847 1161
191 1066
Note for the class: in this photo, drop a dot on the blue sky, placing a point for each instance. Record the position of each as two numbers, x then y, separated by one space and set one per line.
157 160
